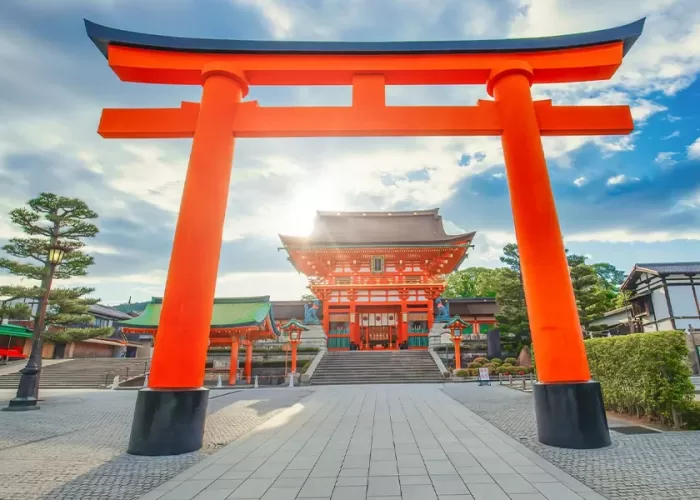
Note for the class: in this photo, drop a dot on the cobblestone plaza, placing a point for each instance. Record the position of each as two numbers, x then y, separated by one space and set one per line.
452 441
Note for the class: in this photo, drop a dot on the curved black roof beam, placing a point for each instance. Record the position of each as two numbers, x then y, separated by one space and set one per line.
102 36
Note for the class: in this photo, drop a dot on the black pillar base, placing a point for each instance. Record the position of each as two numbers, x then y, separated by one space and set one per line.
22 404
571 415
168 422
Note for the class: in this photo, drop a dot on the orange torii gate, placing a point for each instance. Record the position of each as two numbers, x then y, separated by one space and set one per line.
569 405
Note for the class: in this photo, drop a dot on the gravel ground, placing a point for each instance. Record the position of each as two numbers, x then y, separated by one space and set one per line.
74 446
643 466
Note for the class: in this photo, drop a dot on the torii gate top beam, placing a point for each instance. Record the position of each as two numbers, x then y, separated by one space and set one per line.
146 58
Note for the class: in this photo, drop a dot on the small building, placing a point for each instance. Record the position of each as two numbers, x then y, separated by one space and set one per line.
235 321
616 322
378 275
664 296
114 345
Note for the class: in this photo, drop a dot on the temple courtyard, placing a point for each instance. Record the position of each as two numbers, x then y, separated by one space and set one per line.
451 441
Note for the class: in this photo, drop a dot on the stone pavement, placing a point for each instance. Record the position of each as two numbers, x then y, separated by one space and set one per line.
74 447
642 466
408 442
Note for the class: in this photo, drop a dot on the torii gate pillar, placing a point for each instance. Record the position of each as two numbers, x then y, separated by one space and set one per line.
171 412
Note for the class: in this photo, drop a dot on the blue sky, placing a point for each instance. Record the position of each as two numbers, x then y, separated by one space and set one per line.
620 199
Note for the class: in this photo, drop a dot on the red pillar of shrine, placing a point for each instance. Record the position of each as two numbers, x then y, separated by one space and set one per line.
248 361
177 368
233 367
569 406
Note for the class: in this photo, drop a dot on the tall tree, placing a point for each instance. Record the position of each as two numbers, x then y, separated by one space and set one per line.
50 221
592 298
511 257
512 318
611 275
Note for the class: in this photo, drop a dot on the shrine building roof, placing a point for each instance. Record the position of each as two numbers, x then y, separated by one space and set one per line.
372 229
227 313
103 36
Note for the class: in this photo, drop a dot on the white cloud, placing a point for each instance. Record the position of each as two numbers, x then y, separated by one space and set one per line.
671 118
499 175
694 150
627 236
618 179
665 158
580 181
673 134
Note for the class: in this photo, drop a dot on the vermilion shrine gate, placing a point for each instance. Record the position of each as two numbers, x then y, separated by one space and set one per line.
170 414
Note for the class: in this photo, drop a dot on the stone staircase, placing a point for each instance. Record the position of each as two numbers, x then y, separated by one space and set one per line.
82 373
376 367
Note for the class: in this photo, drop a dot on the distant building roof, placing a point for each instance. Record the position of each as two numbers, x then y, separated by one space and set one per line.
400 228
109 312
474 306
227 313
660 269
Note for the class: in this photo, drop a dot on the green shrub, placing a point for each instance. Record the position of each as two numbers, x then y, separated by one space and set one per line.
644 374
462 373
691 416
511 361
481 360
506 365
474 372
473 364
496 361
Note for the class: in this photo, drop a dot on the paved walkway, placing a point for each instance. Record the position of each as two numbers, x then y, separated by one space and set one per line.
355 442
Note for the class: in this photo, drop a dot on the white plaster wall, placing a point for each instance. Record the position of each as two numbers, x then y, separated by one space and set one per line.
613 319
682 301
658 299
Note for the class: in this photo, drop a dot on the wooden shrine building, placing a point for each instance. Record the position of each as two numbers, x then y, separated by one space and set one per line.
378 275
235 322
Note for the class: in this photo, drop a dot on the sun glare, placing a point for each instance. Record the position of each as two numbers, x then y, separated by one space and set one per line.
299 214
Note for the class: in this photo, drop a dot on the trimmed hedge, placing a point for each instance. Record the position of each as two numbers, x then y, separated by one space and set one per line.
644 374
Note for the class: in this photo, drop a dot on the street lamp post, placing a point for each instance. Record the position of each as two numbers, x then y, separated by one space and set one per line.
294 328
28 389
455 326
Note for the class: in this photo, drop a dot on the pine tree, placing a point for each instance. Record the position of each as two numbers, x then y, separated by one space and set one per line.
51 221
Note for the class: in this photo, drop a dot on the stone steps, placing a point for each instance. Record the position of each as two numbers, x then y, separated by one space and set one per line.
82 373
376 367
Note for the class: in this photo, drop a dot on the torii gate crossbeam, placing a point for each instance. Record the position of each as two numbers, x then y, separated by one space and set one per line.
569 406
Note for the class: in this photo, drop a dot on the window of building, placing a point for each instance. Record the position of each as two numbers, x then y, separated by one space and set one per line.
640 306
377 264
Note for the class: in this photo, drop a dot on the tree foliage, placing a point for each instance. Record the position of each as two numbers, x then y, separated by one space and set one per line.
596 288
50 220
473 282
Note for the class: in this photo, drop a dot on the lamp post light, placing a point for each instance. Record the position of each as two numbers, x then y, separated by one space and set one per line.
294 328
455 326
28 389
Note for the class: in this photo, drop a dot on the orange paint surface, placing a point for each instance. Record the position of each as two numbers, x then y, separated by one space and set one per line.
248 361
252 121
184 325
232 371
183 332
134 64
554 323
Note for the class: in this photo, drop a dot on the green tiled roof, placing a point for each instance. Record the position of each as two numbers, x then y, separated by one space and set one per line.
294 322
456 320
15 331
227 313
